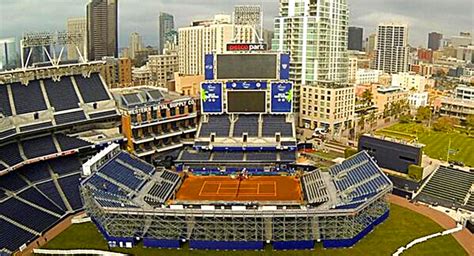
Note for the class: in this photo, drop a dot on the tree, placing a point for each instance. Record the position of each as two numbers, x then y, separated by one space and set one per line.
423 113
470 122
367 97
405 119
445 124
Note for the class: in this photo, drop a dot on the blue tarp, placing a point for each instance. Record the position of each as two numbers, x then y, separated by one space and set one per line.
293 245
226 245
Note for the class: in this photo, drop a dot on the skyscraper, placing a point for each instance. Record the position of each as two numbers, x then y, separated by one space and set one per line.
370 47
8 54
355 38
77 27
135 44
315 32
102 29
249 15
165 26
391 54
434 41
208 36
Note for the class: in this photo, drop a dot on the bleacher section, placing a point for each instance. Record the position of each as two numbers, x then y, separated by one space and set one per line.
220 125
91 89
249 124
189 155
314 188
163 189
70 117
276 124
28 99
246 124
31 199
16 236
5 107
59 91
68 143
358 178
449 187
10 154
37 147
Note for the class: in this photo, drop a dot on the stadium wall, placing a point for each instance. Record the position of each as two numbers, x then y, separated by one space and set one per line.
391 155
291 229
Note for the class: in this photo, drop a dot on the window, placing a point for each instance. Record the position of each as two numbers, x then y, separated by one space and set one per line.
36 116
163 113
181 110
173 112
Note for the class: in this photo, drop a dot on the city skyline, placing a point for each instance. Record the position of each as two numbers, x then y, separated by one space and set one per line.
141 16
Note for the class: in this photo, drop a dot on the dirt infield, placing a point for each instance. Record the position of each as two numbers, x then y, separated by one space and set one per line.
274 188
464 237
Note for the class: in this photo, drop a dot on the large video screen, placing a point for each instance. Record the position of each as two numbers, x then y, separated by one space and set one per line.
246 102
247 66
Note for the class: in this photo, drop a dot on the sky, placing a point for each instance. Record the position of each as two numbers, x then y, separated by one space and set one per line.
423 16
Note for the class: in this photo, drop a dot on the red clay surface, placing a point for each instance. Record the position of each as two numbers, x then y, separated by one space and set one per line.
205 188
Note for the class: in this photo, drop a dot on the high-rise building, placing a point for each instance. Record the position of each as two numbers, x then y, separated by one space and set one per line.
208 36
327 105
102 29
8 54
77 27
355 38
315 32
434 41
391 54
165 26
135 44
268 37
251 15
370 47
162 68
117 72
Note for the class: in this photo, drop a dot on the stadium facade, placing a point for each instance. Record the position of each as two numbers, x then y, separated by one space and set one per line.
240 168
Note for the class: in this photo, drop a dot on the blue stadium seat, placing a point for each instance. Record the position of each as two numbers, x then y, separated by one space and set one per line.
34 196
246 124
92 89
5 107
50 190
27 215
70 187
28 99
37 147
16 236
61 94
68 143
10 154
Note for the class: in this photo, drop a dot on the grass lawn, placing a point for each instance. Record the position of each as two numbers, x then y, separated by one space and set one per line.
436 142
399 229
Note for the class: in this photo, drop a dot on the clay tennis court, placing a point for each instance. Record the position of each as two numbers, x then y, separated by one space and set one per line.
205 188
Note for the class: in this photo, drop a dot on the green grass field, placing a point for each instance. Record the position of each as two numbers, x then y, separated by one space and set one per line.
436 142
399 229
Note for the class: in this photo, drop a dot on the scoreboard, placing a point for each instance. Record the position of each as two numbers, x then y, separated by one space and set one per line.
247 83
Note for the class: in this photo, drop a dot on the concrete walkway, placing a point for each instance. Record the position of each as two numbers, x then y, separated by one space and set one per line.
464 237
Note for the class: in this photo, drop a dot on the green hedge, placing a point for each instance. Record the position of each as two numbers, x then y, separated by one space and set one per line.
415 172
348 152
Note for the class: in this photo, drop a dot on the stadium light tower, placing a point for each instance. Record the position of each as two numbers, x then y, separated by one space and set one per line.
248 15
48 42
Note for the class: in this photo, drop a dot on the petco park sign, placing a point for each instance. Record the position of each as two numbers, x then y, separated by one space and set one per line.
246 47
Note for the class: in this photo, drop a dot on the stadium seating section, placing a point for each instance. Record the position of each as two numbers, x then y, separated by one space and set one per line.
449 187
28 99
189 155
5 108
34 198
119 177
91 89
358 178
58 91
314 188
37 147
247 124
